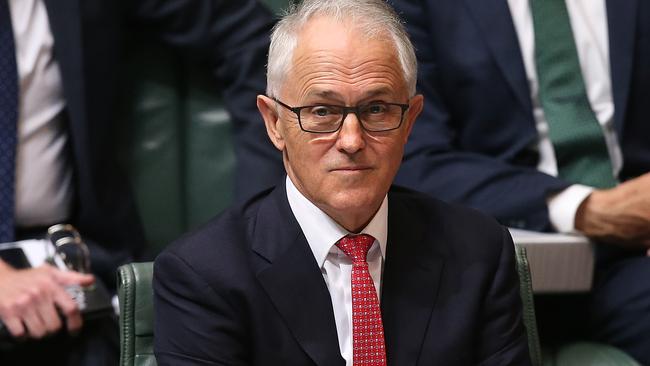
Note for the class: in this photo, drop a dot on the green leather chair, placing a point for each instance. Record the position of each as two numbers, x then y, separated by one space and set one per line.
136 321
180 150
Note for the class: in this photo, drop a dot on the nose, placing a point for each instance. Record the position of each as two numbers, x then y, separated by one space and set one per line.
351 137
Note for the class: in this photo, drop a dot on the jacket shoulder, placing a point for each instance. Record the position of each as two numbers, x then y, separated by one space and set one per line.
222 242
456 229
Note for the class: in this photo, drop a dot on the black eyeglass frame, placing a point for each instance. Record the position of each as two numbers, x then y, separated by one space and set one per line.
346 111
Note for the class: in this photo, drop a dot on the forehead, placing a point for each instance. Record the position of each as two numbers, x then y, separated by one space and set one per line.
333 54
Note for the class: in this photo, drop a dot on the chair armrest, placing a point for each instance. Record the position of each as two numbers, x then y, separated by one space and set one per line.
559 263
526 290
135 295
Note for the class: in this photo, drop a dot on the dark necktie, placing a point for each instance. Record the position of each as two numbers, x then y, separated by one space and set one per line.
577 137
367 328
8 121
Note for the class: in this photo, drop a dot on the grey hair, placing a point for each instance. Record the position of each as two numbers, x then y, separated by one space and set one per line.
375 18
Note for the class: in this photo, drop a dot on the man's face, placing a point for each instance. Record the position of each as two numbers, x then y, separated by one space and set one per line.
345 173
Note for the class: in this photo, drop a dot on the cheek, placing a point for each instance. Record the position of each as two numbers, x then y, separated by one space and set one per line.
389 149
390 158
307 157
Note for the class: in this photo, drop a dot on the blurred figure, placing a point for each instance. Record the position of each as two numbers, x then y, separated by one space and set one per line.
60 66
536 113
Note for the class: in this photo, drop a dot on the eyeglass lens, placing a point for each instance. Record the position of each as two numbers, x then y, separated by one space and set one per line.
374 117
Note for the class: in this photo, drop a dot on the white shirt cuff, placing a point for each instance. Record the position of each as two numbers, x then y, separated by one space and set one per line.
562 207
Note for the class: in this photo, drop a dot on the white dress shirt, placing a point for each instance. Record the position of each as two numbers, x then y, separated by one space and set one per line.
44 182
589 25
322 234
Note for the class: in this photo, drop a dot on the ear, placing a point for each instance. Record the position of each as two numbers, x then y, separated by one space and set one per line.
415 107
269 113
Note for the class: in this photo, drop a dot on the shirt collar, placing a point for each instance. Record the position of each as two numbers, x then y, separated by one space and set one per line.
322 232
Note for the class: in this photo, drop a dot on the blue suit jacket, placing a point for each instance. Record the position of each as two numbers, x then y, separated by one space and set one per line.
90 41
246 290
475 142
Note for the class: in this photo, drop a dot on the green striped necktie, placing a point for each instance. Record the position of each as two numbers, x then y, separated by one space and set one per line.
577 137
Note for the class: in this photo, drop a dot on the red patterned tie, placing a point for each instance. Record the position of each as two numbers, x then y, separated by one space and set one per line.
368 331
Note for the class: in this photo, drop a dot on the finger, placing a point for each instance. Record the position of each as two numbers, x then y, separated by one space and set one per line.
49 316
67 278
69 310
34 323
74 323
15 327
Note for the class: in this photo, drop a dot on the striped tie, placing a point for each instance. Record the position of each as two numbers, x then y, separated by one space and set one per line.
577 137
8 120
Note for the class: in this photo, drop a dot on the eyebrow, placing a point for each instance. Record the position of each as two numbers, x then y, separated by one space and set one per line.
332 95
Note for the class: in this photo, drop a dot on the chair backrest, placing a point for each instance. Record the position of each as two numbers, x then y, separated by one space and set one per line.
174 143
136 312
174 139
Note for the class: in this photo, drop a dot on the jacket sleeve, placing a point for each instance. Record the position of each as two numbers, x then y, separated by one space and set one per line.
435 163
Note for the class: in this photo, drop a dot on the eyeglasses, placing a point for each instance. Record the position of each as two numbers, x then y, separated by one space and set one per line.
325 118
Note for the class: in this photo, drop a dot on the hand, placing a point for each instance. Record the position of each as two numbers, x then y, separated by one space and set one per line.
619 215
31 300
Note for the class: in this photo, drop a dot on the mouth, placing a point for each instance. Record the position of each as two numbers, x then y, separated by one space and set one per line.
351 169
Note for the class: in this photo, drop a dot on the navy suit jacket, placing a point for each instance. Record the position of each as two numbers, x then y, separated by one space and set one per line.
246 290
90 41
476 139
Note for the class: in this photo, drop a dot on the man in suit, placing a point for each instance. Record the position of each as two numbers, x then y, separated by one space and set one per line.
61 64
295 276
536 113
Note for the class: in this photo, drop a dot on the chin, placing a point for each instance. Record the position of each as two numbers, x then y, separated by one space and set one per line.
354 200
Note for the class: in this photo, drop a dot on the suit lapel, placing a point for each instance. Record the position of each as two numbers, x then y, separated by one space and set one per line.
495 23
410 285
621 19
294 282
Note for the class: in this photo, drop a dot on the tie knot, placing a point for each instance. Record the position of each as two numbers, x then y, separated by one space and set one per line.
356 246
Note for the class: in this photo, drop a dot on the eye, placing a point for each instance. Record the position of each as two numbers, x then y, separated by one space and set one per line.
323 111
377 108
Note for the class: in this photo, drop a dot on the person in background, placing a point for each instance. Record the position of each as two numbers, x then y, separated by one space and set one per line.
60 69
296 275
536 113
